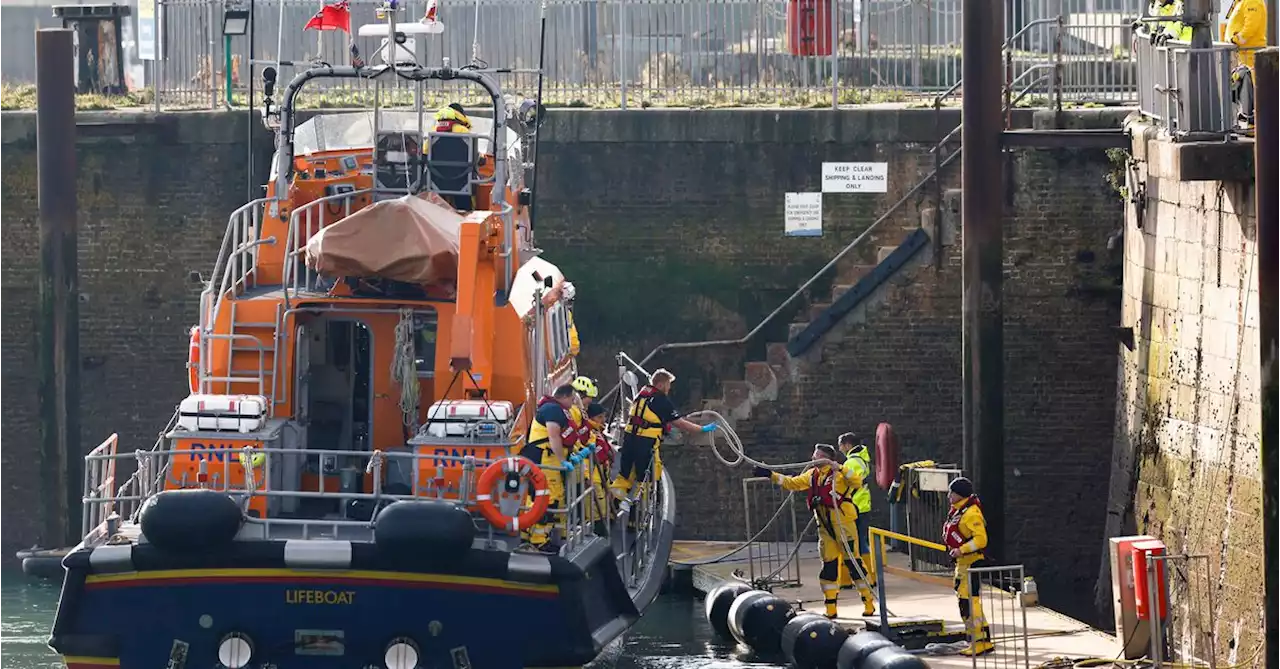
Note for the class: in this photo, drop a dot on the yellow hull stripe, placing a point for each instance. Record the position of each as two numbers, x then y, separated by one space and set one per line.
319 574
96 661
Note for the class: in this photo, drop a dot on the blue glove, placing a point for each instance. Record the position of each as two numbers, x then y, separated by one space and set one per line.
710 428
762 472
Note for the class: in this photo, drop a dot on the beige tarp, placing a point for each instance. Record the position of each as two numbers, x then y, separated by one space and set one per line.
408 239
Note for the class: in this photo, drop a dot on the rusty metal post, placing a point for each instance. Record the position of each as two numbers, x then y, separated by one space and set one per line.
59 383
1266 173
982 213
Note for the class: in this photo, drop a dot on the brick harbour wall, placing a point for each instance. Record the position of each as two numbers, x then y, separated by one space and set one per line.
671 224
1188 419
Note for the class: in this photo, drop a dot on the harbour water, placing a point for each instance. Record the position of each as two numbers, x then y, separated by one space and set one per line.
673 633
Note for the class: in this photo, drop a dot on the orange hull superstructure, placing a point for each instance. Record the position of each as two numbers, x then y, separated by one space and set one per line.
482 345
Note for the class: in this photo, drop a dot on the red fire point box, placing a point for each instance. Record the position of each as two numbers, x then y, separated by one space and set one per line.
1142 595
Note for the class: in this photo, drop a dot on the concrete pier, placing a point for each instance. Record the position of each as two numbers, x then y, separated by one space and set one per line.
910 596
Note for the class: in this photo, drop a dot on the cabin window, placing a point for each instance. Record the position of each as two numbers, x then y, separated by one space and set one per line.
424 343
558 332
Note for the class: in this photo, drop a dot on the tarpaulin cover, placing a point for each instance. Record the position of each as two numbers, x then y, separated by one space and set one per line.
408 239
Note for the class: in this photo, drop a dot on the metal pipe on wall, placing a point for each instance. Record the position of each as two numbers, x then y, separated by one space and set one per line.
1266 174
59 380
982 221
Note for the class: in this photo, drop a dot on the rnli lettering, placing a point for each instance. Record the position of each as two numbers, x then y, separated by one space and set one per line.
319 596
212 452
451 457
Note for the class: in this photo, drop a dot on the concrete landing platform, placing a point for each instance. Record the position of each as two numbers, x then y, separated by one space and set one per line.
909 595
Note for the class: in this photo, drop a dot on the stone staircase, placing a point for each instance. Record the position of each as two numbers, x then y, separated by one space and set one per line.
858 288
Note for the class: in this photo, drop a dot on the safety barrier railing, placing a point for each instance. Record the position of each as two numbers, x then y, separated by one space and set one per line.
996 613
99 495
772 531
927 507
1186 90
305 222
1182 628
276 477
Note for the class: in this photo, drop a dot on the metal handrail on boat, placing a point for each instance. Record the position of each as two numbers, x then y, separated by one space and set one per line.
576 517
303 224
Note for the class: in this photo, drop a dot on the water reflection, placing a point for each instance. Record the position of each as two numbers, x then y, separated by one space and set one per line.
28 606
673 633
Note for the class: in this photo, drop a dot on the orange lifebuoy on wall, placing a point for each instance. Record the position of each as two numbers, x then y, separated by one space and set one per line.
510 473
886 455
193 361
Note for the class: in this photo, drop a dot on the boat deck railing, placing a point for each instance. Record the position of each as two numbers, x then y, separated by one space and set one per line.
106 507
304 222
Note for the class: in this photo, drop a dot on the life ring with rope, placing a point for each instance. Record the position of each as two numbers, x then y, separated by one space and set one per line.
193 361
511 474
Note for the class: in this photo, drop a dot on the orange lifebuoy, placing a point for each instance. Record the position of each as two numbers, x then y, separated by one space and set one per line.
886 455
512 471
193 361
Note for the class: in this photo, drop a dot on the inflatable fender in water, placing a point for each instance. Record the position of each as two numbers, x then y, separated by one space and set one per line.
811 641
886 455
190 521
893 657
857 647
757 618
717 606
428 528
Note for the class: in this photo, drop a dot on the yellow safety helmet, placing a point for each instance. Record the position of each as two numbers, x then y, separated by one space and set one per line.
585 386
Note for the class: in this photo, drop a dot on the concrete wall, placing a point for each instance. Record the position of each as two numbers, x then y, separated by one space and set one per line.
671 224
1186 461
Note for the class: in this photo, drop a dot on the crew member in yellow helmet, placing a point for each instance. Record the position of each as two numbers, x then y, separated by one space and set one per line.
585 392
652 413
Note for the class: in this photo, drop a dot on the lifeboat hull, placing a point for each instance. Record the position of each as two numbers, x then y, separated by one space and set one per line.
135 606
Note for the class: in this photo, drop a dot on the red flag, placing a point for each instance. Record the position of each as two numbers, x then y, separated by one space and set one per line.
332 17
430 16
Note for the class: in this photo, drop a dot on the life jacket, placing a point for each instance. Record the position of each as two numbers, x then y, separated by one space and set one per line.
641 420
581 429
449 120
951 535
822 490
538 434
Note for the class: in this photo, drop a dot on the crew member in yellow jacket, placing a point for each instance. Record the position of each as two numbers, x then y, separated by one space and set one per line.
1246 28
830 491
965 535
857 460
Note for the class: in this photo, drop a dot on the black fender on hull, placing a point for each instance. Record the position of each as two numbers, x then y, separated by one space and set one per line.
717 605
191 521
432 528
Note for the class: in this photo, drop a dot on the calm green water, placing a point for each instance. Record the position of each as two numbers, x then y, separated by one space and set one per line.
673 633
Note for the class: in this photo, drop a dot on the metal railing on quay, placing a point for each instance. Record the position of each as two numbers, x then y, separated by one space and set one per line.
927 507
635 54
996 607
1185 90
772 531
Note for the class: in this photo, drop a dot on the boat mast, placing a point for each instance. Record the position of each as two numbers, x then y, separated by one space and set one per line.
537 122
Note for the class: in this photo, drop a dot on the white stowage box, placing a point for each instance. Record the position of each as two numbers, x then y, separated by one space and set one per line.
455 418
240 413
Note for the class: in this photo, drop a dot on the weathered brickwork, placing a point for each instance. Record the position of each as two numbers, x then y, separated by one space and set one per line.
671 224
153 203
1188 420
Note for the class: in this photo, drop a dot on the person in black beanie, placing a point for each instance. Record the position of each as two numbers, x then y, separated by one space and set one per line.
965 535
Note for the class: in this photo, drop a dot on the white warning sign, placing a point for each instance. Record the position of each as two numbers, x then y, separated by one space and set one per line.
855 177
803 213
